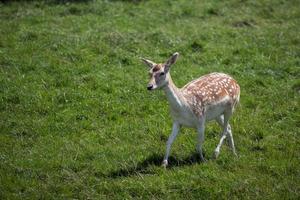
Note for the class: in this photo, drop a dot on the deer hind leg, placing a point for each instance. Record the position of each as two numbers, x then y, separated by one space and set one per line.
200 130
223 120
229 136
220 121
230 140
175 130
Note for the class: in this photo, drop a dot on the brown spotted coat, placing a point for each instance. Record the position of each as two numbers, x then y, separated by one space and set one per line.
209 89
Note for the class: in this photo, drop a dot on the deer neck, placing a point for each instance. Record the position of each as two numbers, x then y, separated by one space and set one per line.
173 94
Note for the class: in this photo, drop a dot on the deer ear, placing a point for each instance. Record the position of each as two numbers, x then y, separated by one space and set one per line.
149 63
171 60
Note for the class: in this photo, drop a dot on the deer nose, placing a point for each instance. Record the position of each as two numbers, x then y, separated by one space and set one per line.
149 87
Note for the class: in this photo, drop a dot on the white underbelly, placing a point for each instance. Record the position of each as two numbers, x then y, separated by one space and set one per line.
212 112
185 118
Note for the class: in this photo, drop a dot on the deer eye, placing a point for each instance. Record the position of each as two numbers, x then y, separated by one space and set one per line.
162 73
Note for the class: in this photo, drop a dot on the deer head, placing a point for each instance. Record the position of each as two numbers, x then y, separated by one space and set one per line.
159 73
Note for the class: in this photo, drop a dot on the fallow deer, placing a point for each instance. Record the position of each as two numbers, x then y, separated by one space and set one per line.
210 97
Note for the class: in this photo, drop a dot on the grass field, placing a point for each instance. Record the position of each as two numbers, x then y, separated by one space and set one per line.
76 120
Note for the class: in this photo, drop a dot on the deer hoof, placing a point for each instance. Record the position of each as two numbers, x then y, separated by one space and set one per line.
203 159
215 154
164 164
235 154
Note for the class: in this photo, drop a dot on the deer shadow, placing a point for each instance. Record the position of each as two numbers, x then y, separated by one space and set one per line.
143 167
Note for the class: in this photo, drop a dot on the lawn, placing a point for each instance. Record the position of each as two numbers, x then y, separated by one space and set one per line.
77 122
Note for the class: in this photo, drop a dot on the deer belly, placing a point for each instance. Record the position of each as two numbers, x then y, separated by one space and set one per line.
212 112
185 118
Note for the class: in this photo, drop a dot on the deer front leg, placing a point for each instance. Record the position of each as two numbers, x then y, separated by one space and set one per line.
175 130
200 130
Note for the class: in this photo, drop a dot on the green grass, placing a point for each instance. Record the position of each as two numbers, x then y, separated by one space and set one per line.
76 120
